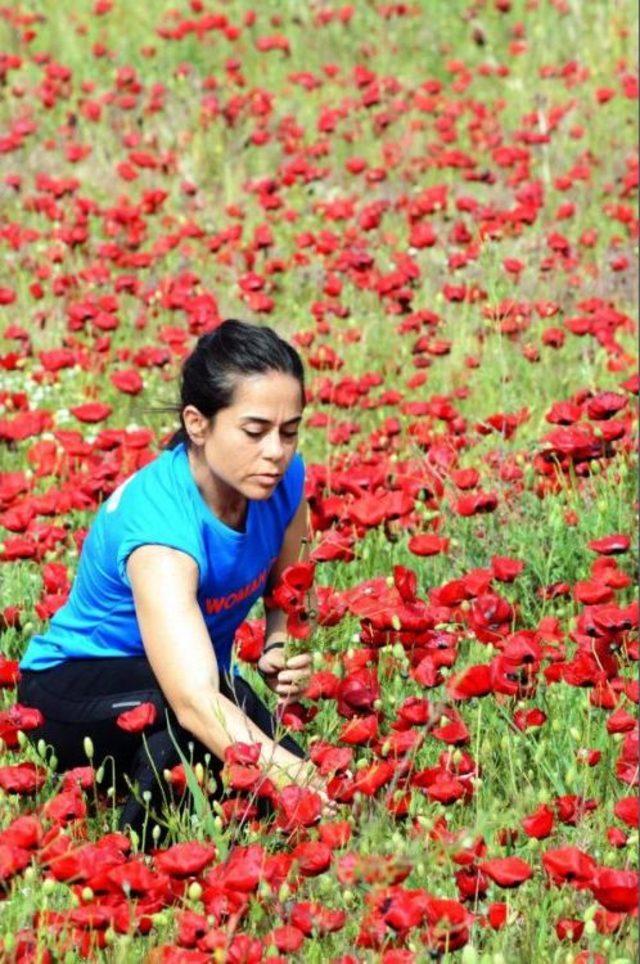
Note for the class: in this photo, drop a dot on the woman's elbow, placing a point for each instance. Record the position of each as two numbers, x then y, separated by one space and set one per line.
195 705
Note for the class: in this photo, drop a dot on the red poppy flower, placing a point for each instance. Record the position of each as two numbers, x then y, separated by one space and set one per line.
83 777
245 754
299 576
569 865
427 545
507 871
185 859
322 685
497 915
287 938
137 719
24 832
23 778
298 807
569 930
66 806
628 810
9 671
127 381
311 916
472 682
357 692
242 870
336 834
371 778
359 730
610 545
539 824
12 861
330 759
616 890
312 858
91 412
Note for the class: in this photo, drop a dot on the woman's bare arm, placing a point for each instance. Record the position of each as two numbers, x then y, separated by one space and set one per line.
290 680
179 650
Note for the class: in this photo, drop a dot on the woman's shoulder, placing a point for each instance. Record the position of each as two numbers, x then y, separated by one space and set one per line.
156 479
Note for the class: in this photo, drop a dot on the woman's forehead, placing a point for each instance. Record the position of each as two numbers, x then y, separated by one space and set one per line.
267 391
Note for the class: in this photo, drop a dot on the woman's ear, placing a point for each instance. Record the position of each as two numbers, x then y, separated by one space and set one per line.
196 424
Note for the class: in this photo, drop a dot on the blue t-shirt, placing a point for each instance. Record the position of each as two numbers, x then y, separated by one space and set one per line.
161 504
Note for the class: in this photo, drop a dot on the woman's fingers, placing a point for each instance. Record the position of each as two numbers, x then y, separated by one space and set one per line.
300 661
291 675
286 692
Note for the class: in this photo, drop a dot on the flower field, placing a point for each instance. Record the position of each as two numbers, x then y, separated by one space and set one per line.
436 203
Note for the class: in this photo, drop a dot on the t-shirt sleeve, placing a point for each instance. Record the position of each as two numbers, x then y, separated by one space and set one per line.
153 521
294 487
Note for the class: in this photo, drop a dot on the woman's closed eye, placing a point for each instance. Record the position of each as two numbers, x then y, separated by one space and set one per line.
293 434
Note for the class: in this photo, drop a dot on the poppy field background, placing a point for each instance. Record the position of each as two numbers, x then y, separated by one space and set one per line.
437 204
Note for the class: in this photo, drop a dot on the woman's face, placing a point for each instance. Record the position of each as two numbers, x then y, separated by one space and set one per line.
253 440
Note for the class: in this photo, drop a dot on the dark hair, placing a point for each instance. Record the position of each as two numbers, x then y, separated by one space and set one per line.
233 349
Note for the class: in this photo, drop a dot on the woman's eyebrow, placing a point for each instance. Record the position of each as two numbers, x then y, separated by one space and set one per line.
265 421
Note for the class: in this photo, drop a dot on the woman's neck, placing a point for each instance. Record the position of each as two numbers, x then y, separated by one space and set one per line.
229 505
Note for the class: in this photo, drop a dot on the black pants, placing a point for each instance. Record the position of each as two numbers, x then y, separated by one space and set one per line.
84 697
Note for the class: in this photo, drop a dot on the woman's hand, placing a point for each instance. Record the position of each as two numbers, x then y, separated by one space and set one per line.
270 664
289 680
304 774
293 678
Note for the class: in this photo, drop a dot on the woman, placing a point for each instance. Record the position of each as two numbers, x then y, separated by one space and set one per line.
173 562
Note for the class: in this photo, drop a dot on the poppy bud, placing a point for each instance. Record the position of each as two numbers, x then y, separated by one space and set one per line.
590 912
87 744
194 891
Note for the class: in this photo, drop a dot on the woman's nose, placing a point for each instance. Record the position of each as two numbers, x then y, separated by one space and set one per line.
274 447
